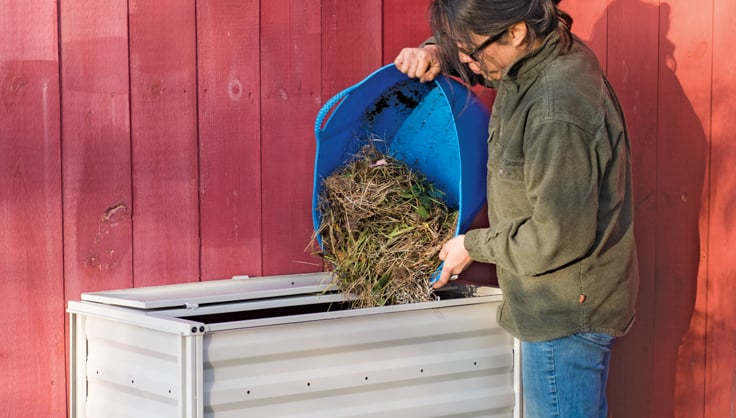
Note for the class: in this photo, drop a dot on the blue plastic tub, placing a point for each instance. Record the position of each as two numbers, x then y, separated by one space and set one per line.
438 128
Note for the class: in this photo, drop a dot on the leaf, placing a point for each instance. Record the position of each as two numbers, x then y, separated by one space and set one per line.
422 212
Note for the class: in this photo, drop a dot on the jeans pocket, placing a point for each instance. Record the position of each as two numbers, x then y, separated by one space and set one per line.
597 338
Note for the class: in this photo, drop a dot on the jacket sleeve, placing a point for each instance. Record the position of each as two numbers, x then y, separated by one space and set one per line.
562 170
428 41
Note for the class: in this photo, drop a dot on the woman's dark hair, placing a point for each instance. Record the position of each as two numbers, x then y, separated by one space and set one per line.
453 22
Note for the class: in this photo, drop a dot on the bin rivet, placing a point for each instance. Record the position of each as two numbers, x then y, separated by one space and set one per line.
201 328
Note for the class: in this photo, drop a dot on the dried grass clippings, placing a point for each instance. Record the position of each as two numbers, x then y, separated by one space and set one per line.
382 227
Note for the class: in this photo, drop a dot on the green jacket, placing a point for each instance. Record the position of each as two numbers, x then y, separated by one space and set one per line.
560 200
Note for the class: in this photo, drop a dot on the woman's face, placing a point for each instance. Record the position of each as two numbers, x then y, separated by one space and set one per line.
489 57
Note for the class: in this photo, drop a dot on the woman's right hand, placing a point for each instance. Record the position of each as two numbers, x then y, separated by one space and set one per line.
421 63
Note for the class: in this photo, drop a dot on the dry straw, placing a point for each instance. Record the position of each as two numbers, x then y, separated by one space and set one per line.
382 226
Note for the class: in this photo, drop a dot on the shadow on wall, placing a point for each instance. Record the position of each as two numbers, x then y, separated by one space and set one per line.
658 369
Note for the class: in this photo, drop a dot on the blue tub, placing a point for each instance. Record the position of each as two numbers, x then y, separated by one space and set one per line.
438 128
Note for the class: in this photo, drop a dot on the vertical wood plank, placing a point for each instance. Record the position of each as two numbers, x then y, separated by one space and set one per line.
720 387
632 57
405 24
345 29
683 130
164 137
230 137
96 146
351 43
291 79
590 23
31 280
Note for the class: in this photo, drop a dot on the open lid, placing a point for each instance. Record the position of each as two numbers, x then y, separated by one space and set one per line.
239 288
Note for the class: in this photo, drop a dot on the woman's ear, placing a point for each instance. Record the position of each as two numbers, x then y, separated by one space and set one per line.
517 34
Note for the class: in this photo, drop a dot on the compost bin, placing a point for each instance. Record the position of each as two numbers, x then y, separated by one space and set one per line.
287 346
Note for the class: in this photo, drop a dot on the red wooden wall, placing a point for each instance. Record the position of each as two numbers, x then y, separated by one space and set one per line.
155 142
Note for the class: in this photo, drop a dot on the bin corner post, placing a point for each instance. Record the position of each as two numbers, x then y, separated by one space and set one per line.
519 399
77 353
191 398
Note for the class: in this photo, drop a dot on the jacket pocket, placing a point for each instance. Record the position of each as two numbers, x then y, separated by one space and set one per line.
503 166
507 192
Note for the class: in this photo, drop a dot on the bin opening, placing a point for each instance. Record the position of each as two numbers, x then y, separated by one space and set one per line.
275 312
284 307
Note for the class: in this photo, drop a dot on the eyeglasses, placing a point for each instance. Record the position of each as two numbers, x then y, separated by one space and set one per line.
485 44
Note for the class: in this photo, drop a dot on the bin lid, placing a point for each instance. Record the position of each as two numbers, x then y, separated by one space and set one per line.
238 288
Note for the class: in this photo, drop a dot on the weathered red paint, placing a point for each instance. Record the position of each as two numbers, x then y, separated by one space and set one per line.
30 211
230 158
163 79
635 51
96 147
718 266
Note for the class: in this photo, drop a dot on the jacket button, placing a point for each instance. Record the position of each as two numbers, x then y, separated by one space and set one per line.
500 171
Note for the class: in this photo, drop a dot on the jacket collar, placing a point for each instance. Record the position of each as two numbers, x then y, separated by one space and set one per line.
531 64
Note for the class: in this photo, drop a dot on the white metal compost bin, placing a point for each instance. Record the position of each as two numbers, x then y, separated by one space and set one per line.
287 346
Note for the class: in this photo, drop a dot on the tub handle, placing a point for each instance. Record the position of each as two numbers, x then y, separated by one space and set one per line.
327 107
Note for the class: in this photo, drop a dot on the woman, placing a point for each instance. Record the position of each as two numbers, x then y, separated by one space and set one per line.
559 193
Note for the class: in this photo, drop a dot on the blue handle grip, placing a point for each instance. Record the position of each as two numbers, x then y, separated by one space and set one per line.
327 107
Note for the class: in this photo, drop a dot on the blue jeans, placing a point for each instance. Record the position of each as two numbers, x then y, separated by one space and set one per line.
566 377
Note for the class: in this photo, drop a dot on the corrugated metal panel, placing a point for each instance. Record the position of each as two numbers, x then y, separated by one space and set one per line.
132 371
451 362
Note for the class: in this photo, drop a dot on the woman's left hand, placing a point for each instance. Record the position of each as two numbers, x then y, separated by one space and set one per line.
456 260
